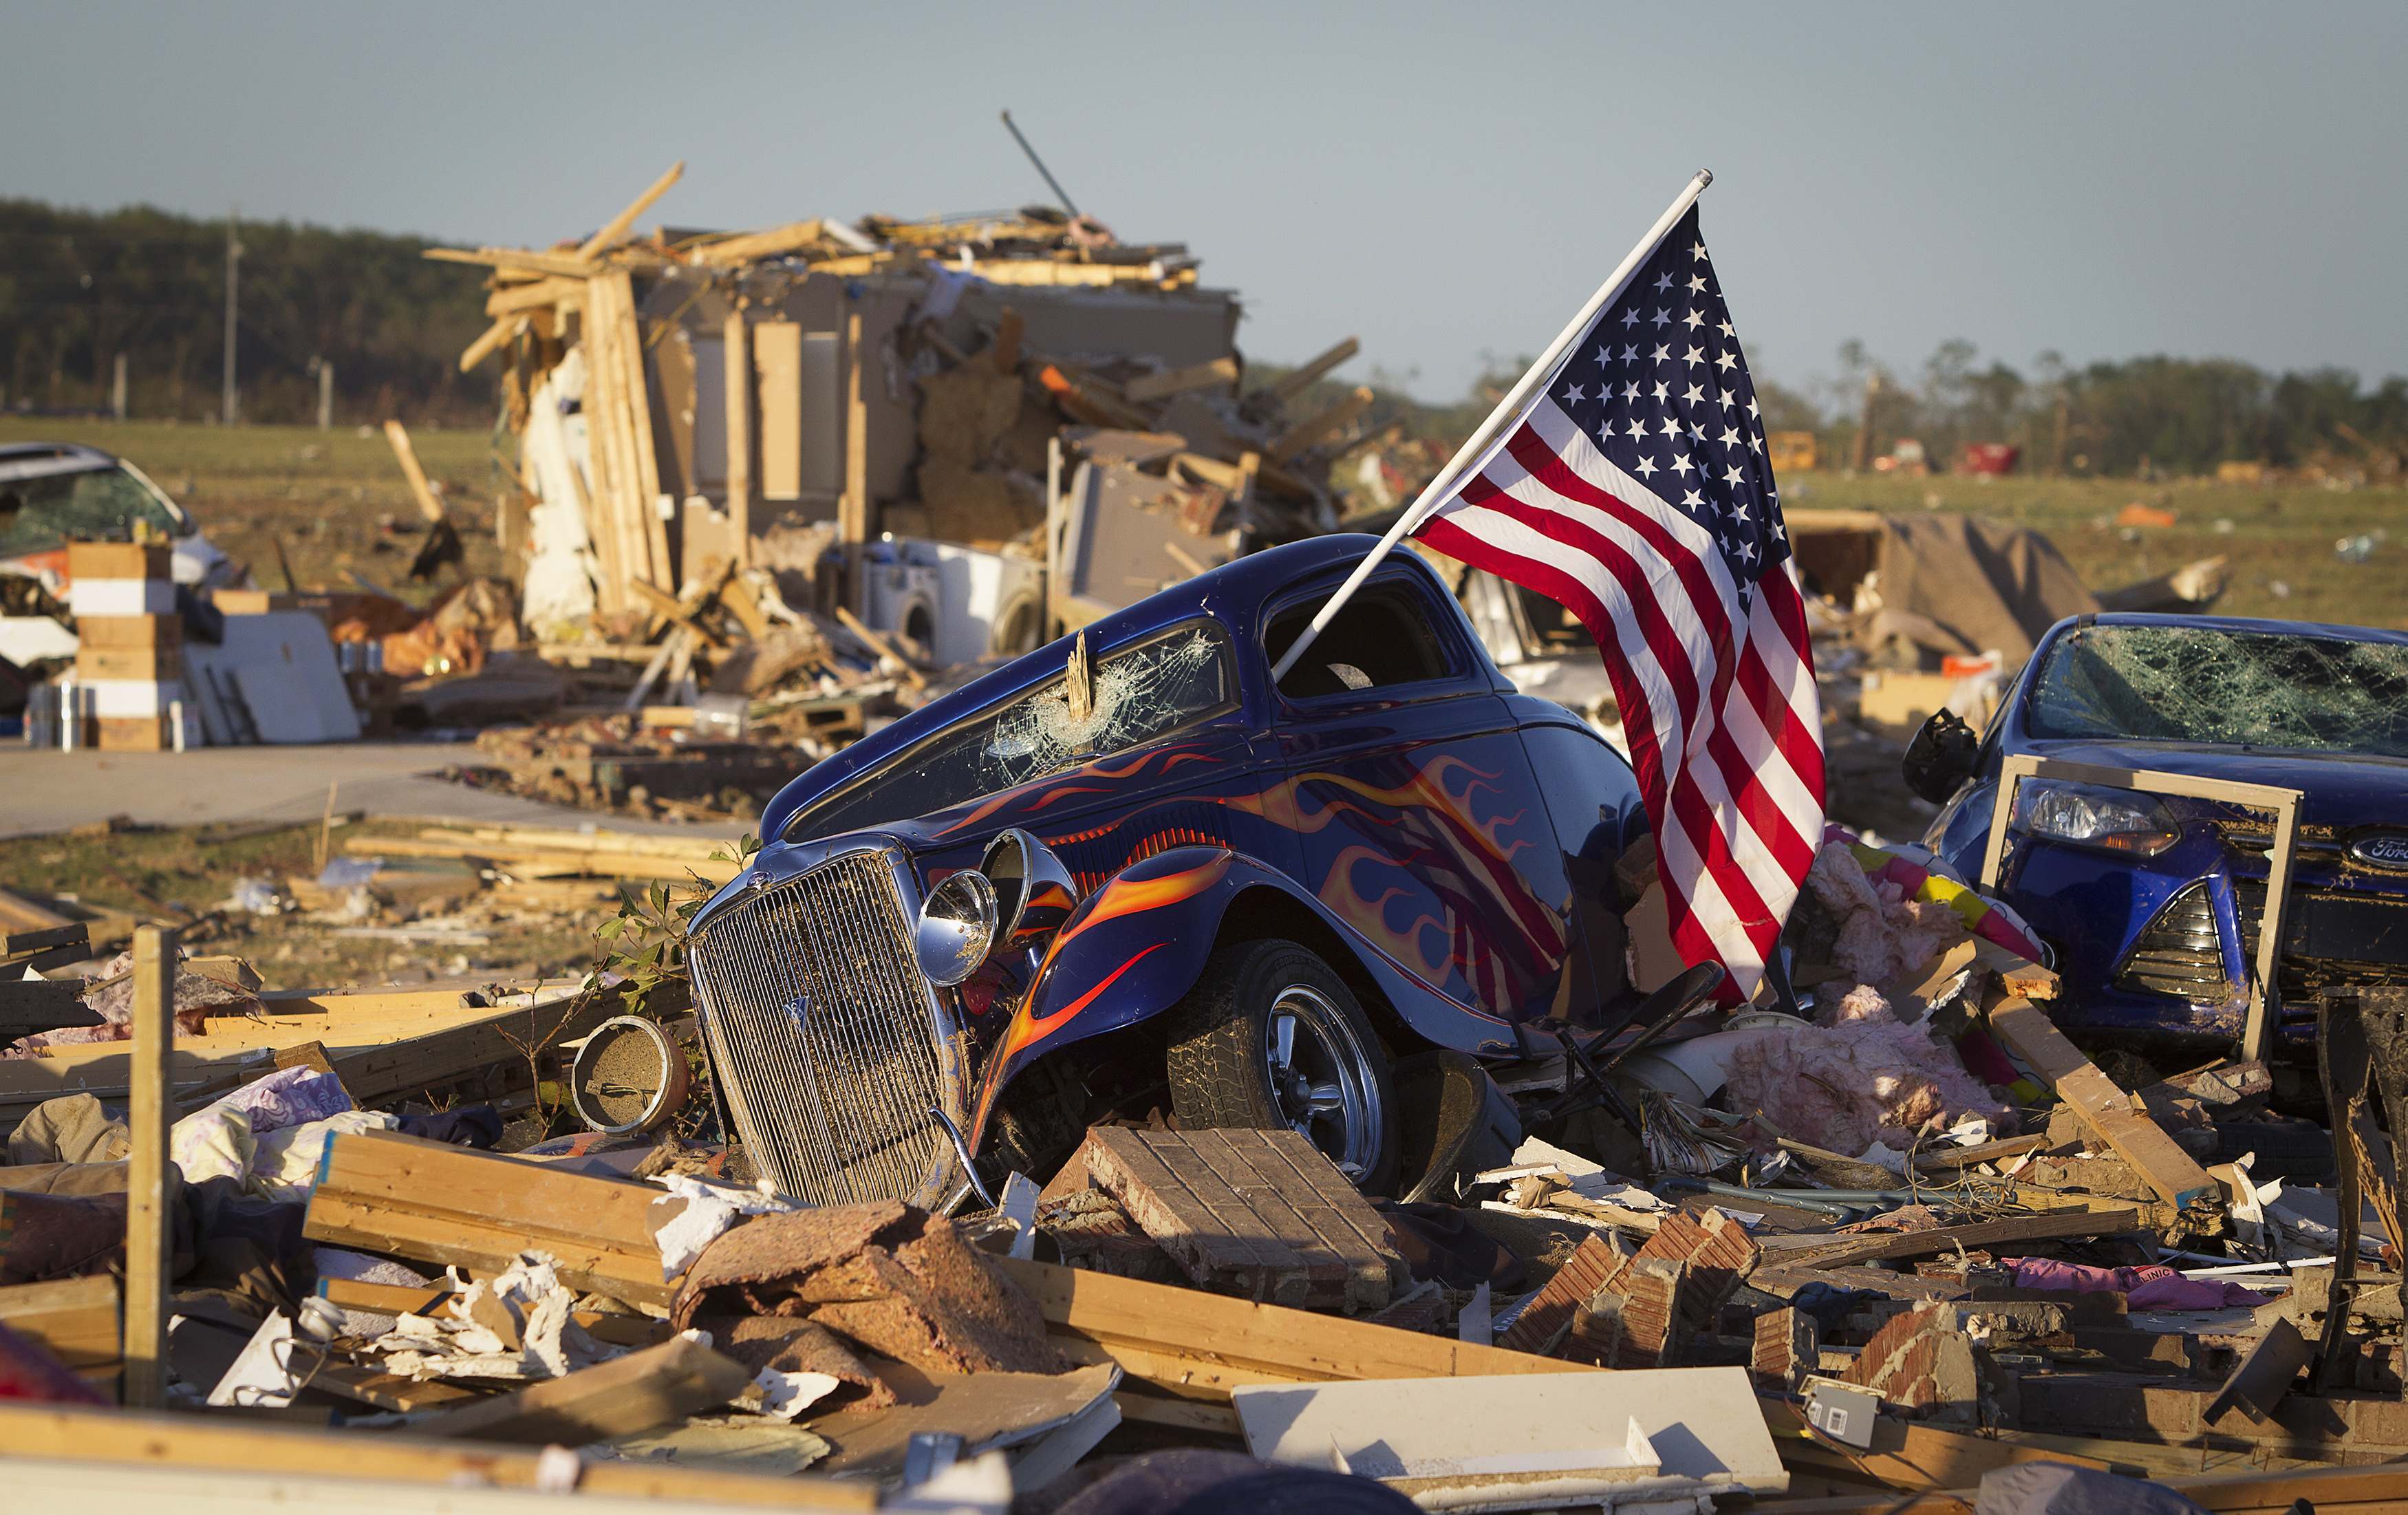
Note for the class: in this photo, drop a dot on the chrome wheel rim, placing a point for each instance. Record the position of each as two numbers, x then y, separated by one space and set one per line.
1321 1076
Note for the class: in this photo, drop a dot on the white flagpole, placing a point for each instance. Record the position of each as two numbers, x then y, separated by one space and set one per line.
1510 406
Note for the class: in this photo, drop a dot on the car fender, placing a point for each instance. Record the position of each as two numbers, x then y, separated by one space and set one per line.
1138 944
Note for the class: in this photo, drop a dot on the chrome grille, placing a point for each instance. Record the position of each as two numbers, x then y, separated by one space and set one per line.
832 1102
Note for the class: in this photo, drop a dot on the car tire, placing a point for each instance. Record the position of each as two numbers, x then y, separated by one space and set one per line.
1256 1001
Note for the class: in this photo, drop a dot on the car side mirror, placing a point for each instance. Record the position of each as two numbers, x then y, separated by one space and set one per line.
1941 757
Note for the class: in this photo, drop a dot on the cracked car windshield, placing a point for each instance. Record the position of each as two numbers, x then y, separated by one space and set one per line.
2209 687
1138 695
41 513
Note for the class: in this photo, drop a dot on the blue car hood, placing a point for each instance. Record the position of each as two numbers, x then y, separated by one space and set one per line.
2340 789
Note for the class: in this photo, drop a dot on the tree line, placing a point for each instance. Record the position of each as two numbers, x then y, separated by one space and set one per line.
79 288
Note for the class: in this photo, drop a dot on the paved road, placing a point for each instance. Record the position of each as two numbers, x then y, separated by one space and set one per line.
46 790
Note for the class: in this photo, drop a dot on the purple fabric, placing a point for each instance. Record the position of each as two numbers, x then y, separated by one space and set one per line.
289 1096
2143 1287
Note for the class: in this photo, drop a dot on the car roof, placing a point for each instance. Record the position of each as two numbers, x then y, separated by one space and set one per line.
2247 623
42 460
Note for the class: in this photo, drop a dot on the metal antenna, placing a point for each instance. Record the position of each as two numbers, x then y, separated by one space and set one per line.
1059 193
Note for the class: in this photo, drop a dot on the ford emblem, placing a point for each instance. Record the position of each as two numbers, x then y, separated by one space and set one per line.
2384 850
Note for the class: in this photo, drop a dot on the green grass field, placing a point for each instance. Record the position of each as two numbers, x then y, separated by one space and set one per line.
326 494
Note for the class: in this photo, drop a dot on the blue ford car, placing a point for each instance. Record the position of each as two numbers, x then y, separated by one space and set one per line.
1135 873
2151 903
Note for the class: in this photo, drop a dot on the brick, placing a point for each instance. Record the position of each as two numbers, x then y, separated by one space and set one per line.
1549 1314
1921 1362
1788 1345
1638 1323
1257 1213
1718 1253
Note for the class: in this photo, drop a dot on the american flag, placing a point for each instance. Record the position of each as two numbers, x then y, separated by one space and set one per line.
1635 490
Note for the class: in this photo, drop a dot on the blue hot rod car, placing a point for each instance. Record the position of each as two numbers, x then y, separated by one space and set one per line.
2151 903
1129 873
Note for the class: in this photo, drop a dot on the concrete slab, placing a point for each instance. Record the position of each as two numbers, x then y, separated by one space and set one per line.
45 791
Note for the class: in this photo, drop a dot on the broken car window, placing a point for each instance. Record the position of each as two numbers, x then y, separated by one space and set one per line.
1139 692
2210 687
42 513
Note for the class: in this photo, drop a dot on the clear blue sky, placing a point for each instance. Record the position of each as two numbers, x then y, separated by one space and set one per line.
2100 180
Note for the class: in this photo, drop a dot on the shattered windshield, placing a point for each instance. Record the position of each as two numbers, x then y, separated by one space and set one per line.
2216 688
1139 692
42 513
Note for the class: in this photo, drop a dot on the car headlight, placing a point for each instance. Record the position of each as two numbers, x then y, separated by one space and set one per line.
956 927
2091 815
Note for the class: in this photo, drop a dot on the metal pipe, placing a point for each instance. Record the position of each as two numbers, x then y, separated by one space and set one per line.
1059 193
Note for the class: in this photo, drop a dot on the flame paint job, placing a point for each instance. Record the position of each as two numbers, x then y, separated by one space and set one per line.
1407 823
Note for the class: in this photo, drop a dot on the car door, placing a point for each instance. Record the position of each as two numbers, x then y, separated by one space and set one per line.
1593 798
1418 820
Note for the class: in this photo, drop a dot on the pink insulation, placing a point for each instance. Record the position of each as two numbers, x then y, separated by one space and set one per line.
1882 933
1869 1077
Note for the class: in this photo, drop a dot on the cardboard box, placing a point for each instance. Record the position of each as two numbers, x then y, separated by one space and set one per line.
117 559
130 630
151 664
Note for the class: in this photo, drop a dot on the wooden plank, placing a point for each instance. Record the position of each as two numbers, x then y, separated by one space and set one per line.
1320 425
1297 380
1186 1340
517 258
1873 1246
614 231
555 290
1217 374
752 247
853 507
2168 1171
880 646
736 405
631 350
430 505
148 1221
1904 1455
78 1320
491 342
383 1192
617 1398
382 1298
1949 1158
111 1439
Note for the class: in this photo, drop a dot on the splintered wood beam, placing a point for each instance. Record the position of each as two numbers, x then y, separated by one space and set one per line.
572 265
102 1442
1218 374
622 1397
486 345
1321 426
430 504
551 290
2168 1171
614 231
1296 381
752 247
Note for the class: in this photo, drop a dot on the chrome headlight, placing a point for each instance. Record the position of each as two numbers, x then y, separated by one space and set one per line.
2091 815
956 927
